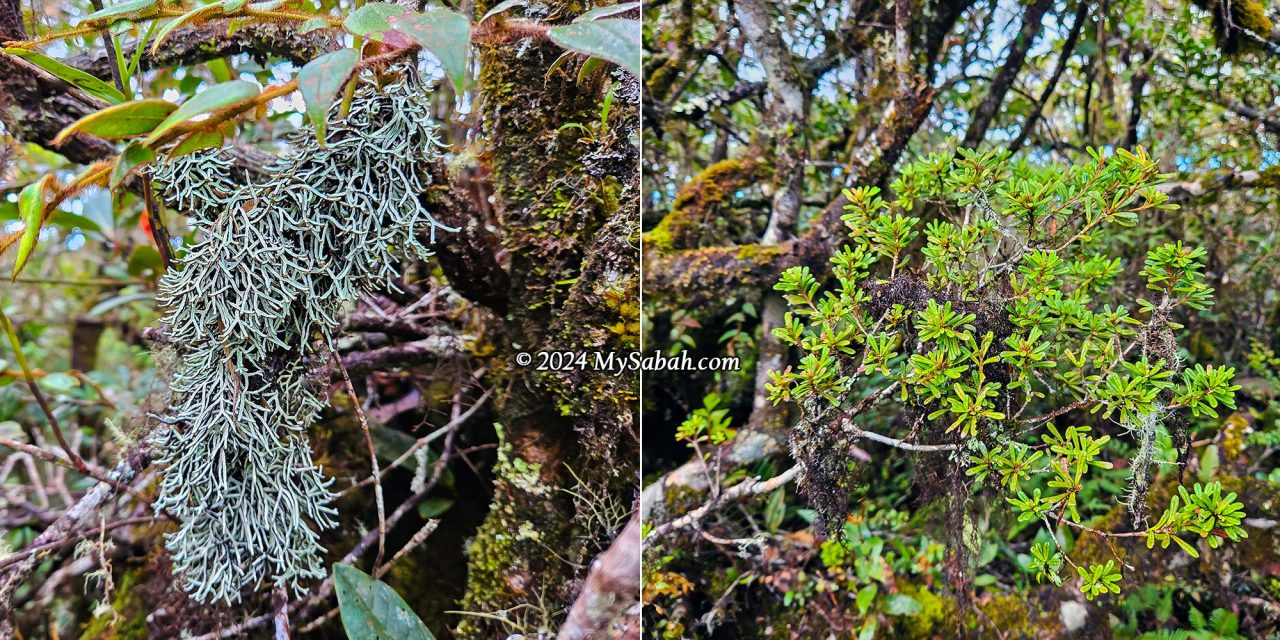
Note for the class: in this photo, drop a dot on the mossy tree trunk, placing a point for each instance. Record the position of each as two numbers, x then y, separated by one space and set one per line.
567 207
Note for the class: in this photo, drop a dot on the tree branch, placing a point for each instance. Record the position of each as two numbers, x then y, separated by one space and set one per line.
744 489
212 40
986 112
612 584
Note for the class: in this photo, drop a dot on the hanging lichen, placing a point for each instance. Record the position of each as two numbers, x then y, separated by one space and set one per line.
261 289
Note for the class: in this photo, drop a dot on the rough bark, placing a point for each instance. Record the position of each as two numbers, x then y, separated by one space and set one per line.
214 39
570 238
612 586
785 106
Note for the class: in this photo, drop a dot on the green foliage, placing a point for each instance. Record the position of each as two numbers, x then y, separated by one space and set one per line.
1099 579
219 96
708 424
443 32
320 80
1206 512
1004 320
371 610
1220 625
614 39
1045 562
90 84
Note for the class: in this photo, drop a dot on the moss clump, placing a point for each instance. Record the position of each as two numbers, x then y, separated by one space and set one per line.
1270 177
1238 25
702 213
1018 616
936 618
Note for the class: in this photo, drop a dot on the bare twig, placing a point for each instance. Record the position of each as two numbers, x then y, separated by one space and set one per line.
91 470
424 441
280 605
901 444
373 457
16 569
746 488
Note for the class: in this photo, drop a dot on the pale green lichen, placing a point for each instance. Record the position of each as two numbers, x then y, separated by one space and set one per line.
253 307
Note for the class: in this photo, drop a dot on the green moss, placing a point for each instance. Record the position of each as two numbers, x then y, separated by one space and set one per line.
936 618
1018 616
702 212
128 617
1270 177
1252 15
1245 29
500 569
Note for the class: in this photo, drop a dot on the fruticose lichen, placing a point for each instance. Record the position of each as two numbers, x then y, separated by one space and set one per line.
253 308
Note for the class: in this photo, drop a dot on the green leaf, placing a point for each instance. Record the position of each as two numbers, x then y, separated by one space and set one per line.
145 261
775 510
133 156
312 25
902 605
59 382
321 80
372 19
605 12
502 7
122 11
84 81
1186 546
866 596
196 141
434 507
614 39
445 33
1209 461
31 210
220 69
119 301
192 15
68 220
218 96
371 610
121 121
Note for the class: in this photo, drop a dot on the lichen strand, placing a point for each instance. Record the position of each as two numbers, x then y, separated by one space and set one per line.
255 303
558 205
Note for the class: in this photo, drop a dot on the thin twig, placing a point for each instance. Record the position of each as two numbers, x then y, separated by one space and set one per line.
63 542
159 232
280 604
373 457
749 487
90 470
901 444
424 441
